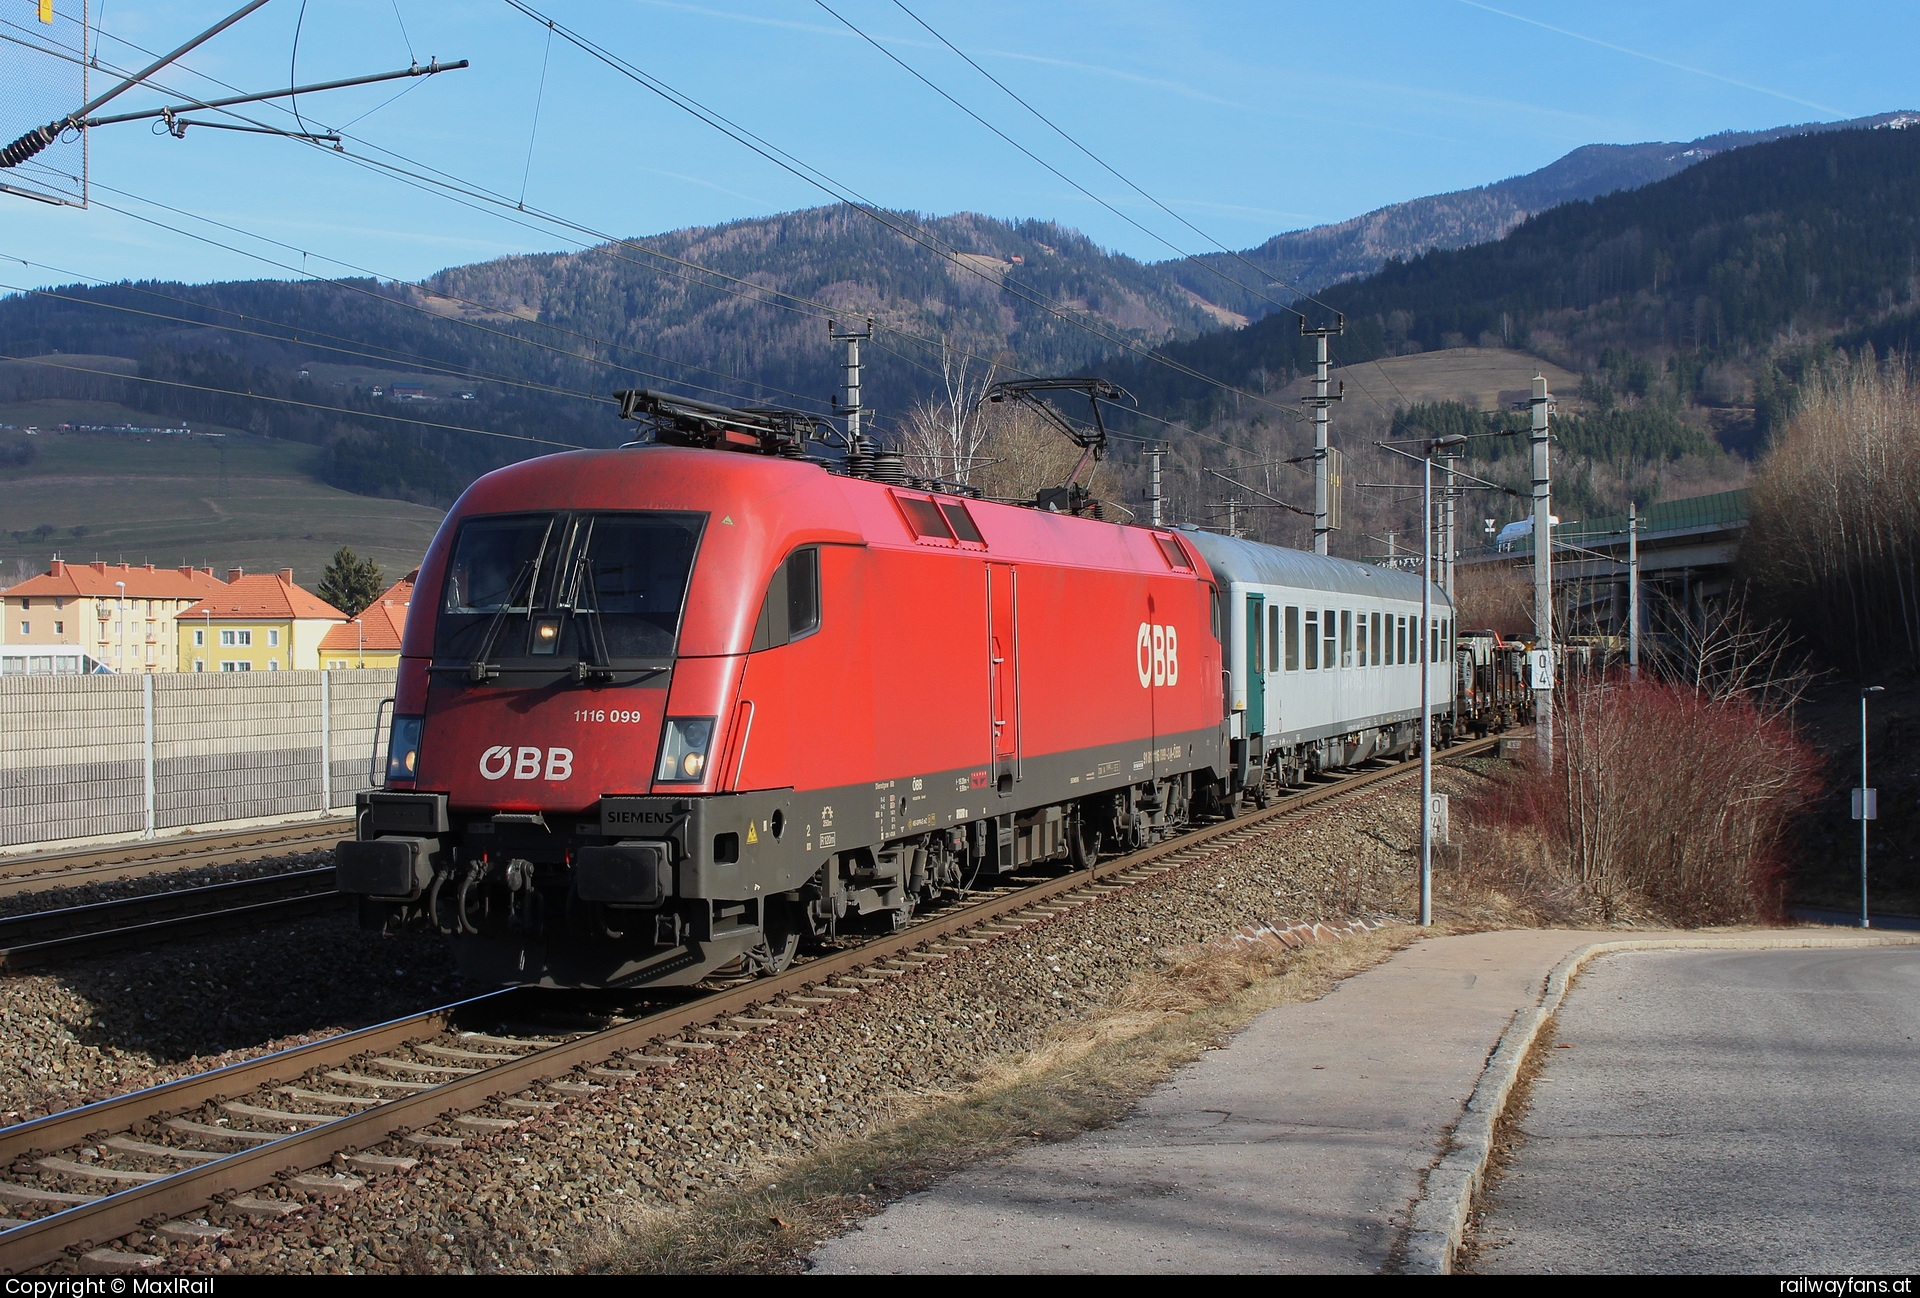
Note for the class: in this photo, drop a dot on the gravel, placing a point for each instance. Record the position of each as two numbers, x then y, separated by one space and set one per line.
93 1029
549 1194
53 897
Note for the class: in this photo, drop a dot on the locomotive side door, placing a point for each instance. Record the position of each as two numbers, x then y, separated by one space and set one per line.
1003 665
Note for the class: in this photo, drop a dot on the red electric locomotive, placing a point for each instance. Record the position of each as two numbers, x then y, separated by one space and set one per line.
665 709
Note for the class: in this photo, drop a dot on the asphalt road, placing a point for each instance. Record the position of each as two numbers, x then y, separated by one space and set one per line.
1742 1111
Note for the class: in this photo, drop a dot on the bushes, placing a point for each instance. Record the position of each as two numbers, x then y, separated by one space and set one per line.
1834 543
1662 804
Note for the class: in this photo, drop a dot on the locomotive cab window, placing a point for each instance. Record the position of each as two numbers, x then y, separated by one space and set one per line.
791 609
549 590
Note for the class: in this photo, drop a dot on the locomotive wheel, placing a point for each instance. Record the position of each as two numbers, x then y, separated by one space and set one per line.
775 952
1083 842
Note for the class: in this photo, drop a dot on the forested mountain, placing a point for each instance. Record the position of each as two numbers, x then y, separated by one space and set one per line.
1812 232
1326 254
529 346
1801 239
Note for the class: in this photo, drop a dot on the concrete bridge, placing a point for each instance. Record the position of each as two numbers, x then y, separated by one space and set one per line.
1687 549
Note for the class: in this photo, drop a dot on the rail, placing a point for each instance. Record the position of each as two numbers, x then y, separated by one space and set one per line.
45 936
83 1220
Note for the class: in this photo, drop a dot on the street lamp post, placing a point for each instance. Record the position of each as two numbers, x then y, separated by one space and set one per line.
1434 445
1865 807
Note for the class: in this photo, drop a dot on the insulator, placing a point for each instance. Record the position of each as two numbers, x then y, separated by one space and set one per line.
889 467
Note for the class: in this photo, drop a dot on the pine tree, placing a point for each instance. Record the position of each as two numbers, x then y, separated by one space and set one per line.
350 583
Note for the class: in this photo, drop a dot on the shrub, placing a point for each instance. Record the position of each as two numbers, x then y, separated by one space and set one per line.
1834 543
1662 803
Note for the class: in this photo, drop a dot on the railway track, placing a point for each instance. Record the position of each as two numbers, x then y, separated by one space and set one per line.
45 936
158 856
435 1079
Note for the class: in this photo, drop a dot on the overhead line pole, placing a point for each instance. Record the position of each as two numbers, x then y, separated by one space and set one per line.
1633 591
41 136
1154 454
1321 399
851 406
1542 567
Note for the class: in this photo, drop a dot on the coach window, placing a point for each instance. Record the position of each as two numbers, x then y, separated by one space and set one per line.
1273 637
1398 650
1330 636
1313 639
1378 644
791 609
1360 639
1293 638
1346 637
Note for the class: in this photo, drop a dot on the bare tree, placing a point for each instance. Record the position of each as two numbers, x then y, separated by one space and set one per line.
1725 654
942 436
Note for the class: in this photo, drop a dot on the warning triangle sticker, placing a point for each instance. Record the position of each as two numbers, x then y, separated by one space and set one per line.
727 519
752 837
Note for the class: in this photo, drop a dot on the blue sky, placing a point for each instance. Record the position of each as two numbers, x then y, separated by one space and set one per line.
1246 118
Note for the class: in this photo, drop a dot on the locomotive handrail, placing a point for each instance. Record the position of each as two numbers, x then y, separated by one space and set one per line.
375 776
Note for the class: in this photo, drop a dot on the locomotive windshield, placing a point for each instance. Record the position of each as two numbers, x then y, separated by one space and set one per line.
556 589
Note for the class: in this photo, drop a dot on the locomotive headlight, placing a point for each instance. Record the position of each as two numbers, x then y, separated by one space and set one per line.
403 750
546 635
683 749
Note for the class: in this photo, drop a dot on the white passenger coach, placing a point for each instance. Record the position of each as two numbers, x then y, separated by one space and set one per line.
1323 659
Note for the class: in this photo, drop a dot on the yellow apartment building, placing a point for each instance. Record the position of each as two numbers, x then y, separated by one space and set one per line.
373 638
257 623
123 615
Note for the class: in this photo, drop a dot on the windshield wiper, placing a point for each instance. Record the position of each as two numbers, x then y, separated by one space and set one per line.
480 671
595 638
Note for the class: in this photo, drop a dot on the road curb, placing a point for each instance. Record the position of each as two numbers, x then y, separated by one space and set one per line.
1438 1221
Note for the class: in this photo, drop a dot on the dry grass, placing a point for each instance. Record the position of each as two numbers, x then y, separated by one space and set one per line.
1078 1079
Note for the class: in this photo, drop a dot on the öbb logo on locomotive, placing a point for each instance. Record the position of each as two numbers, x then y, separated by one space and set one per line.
1157 654
526 763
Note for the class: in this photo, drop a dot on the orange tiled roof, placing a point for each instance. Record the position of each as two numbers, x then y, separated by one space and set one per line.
263 597
94 580
381 622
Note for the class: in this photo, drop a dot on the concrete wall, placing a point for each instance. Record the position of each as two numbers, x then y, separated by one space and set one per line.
93 756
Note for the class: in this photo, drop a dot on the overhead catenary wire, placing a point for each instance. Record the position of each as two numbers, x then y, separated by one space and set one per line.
418 309
838 190
1049 167
478 198
470 195
1261 271
288 401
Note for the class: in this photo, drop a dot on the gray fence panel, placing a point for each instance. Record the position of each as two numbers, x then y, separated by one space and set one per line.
74 750
357 745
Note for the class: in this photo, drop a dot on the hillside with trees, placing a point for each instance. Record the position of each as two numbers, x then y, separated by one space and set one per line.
1327 254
